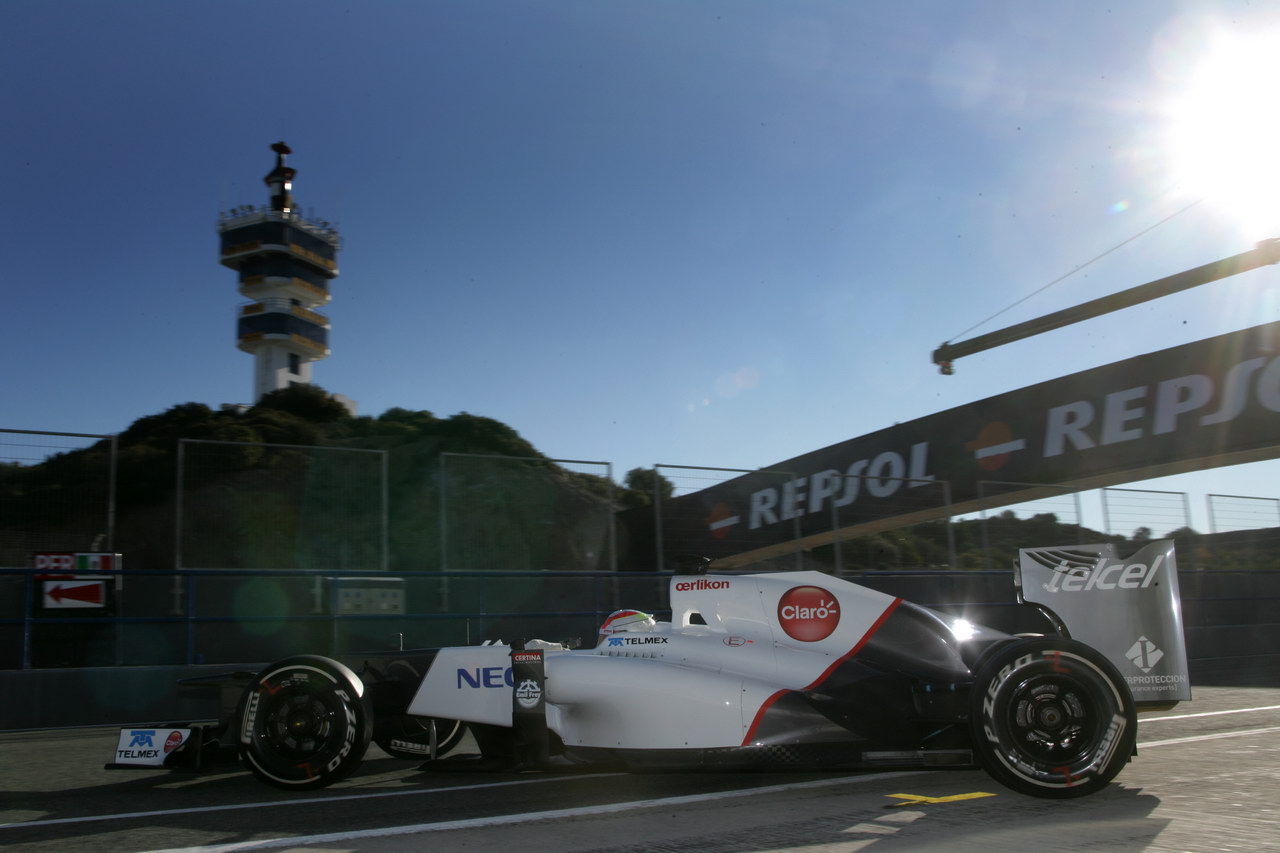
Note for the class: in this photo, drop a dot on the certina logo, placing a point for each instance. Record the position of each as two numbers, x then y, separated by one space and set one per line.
699 585
1084 571
1144 654
636 641
808 613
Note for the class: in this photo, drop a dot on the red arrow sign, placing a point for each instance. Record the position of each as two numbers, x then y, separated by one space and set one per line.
89 594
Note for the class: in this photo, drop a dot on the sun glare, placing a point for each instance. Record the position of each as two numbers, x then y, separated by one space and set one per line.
1224 132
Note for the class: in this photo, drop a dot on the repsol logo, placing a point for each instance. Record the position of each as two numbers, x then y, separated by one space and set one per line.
1166 407
882 476
1116 575
485 676
700 585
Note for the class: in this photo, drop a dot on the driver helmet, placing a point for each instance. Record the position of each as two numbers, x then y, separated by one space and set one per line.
622 621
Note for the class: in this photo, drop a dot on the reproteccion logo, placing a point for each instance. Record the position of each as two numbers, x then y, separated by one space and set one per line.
808 613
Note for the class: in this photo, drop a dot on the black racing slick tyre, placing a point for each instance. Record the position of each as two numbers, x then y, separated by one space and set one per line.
304 723
406 736
1052 717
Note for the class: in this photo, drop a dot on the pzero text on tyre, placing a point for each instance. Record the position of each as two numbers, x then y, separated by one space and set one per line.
304 723
1052 717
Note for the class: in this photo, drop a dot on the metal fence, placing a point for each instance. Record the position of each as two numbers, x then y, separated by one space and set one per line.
529 513
1237 512
153 618
1145 513
242 505
290 547
39 513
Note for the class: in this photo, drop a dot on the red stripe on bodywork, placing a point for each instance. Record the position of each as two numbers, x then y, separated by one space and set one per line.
826 673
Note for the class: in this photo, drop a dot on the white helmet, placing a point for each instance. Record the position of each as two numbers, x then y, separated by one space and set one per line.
625 621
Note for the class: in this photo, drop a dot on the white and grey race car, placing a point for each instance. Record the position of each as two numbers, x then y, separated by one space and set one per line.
798 669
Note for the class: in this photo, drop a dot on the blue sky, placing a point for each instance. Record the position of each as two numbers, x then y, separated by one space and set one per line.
706 232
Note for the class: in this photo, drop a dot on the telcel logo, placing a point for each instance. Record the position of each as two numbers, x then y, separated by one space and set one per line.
808 613
1115 575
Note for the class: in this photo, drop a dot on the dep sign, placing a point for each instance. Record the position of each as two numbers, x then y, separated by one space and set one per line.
1200 405
63 587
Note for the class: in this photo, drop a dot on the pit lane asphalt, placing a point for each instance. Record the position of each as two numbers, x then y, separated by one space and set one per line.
1207 777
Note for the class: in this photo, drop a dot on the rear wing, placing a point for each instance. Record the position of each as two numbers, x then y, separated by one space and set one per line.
1126 608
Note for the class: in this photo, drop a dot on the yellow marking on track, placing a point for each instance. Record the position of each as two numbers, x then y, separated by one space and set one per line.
917 799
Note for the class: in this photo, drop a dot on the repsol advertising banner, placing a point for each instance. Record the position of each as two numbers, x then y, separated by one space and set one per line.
1127 608
1207 403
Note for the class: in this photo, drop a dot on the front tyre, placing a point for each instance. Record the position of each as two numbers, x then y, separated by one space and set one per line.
304 723
1052 717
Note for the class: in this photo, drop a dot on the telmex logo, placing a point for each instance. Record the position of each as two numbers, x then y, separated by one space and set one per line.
808 613
1116 575
636 641
700 584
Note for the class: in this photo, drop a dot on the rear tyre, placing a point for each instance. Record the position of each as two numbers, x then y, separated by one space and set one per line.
1052 717
304 723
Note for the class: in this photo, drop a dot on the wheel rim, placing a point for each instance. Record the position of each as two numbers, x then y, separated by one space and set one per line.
1052 720
298 724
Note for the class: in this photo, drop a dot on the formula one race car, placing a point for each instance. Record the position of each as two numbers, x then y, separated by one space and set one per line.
798 669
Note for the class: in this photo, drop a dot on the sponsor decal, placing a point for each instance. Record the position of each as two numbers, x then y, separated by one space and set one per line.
1144 654
528 694
736 641
882 476
700 585
485 677
721 520
411 746
637 641
993 445
808 613
173 741
1094 571
148 747
526 657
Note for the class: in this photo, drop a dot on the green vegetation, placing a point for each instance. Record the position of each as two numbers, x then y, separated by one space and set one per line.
264 500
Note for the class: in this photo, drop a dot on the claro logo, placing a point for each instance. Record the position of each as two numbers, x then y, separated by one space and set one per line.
1105 575
808 613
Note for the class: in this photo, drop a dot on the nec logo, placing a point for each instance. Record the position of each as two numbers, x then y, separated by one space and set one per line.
486 676
636 641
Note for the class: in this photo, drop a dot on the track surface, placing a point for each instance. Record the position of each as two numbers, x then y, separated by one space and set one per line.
1207 777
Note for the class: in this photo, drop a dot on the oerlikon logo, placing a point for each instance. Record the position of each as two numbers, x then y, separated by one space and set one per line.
808 613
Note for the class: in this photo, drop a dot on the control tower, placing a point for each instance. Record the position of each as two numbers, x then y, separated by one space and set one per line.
285 263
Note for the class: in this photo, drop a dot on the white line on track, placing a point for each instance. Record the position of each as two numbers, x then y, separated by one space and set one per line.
1195 738
500 820
299 802
1208 714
